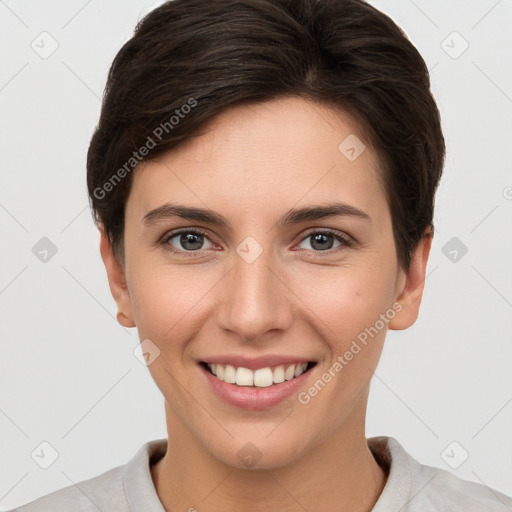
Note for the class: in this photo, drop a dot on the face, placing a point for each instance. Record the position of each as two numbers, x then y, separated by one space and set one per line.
263 279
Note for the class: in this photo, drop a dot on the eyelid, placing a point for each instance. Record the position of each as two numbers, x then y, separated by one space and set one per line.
164 241
345 239
197 231
170 234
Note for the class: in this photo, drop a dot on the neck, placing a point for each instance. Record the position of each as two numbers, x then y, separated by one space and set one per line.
338 474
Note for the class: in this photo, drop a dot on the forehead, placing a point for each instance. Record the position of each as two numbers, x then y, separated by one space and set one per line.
289 150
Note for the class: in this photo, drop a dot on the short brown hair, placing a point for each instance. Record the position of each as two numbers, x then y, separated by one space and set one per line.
210 55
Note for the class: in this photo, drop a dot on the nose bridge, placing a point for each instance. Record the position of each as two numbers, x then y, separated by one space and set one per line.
254 300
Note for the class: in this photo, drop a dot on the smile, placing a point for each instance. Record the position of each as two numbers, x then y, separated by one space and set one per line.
260 377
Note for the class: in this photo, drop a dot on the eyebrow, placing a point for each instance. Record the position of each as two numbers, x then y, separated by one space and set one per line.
294 216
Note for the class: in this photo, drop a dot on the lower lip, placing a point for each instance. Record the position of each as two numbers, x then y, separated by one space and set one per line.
253 397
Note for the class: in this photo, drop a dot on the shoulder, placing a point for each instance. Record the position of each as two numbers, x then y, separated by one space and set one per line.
419 487
124 488
438 488
102 492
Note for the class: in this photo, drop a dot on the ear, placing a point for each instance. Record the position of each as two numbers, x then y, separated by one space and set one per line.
116 281
411 284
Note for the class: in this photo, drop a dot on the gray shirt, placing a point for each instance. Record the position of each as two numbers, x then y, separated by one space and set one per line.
410 487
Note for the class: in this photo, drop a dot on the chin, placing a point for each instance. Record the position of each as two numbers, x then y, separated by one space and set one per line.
258 452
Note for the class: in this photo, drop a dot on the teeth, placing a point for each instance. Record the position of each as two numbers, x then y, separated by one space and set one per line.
229 373
279 375
299 369
290 372
260 378
263 378
244 377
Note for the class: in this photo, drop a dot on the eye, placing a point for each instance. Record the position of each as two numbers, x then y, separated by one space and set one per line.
325 240
189 240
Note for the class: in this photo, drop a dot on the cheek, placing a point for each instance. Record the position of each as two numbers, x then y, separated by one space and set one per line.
346 318
166 301
345 301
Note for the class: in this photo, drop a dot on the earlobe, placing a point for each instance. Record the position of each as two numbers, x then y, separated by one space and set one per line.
116 281
409 297
124 320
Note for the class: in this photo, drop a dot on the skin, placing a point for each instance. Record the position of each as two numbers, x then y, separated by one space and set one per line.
252 164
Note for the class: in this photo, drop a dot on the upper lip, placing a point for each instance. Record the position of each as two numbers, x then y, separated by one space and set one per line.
253 363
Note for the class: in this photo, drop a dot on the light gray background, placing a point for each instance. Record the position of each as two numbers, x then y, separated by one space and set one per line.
68 373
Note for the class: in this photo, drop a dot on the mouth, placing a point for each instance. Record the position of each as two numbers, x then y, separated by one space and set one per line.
264 377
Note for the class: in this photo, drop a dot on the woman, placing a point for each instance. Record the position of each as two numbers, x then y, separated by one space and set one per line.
263 177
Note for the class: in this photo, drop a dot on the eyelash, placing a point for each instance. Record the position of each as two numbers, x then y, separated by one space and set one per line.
343 239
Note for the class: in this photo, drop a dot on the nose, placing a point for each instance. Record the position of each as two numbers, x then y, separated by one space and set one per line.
255 300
